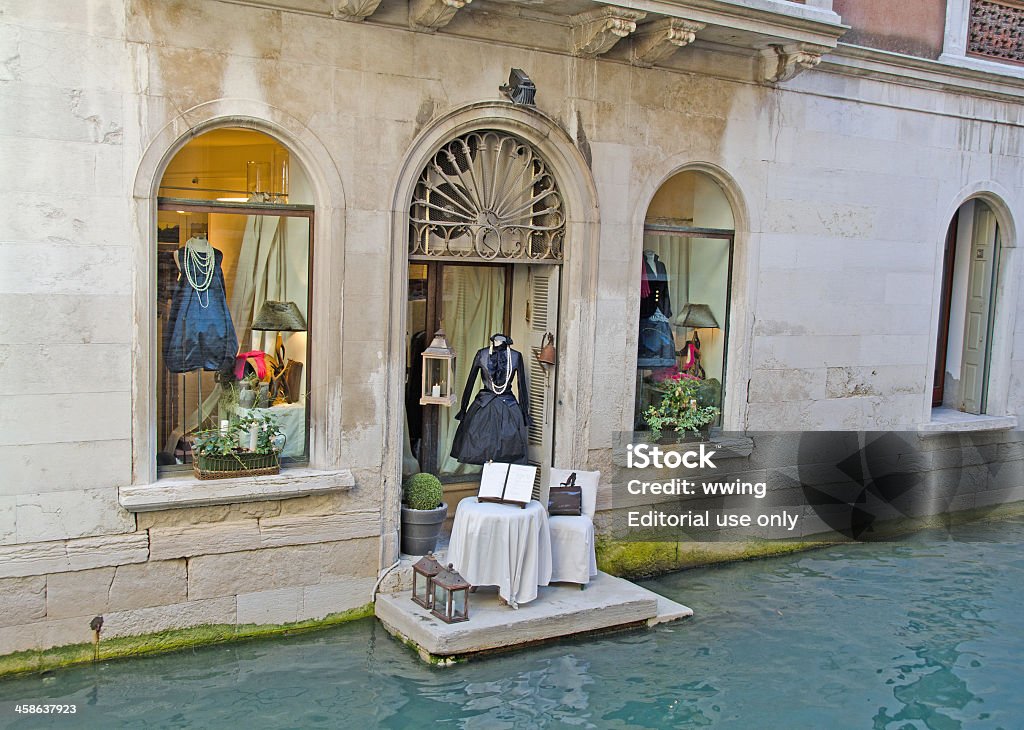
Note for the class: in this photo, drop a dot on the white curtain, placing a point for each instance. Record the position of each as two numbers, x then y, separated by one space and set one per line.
473 307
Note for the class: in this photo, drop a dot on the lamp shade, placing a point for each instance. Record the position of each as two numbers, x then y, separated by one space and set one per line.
280 317
697 316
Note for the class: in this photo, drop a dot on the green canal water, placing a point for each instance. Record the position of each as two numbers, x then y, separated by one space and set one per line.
927 632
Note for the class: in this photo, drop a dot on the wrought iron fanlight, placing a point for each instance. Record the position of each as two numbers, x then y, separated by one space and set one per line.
490 196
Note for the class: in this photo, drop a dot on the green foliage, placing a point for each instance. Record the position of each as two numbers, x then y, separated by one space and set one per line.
683 407
212 442
422 491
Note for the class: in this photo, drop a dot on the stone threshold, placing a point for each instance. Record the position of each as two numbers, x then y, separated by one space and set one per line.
949 420
187 491
560 610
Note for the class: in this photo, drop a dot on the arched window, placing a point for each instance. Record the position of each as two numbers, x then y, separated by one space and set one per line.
486 233
684 282
234 255
967 310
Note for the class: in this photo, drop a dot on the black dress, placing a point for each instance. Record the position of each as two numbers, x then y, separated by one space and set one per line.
655 346
200 334
493 427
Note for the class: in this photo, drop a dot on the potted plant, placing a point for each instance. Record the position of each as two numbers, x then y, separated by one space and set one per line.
683 408
251 445
423 513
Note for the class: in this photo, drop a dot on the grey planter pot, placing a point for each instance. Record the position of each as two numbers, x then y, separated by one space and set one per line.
420 528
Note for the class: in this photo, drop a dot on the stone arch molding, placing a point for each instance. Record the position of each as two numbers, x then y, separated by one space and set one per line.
248 114
329 200
992 193
577 310
570 168
744 278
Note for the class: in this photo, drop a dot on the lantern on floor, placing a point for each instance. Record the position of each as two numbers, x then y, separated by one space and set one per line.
451 596
438 372
423 573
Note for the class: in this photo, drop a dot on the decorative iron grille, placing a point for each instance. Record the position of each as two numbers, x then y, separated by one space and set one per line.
996 30
487 196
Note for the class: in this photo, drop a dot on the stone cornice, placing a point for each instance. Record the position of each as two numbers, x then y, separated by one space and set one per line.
431 15
596 31
925 73
354 10
782 63
657 41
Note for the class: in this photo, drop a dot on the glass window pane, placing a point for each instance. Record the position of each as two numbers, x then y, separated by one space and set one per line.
201 328
684 299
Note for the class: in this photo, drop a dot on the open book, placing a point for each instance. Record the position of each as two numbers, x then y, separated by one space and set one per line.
507 483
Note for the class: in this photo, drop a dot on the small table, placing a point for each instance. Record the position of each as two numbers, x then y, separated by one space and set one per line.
502 545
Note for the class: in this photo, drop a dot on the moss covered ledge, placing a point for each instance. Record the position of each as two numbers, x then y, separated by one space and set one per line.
636 560
164 641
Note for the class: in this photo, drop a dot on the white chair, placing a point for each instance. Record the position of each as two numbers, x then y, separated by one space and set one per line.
573 557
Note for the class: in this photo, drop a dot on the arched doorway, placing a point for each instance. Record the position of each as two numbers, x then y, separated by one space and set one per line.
487 227
967 309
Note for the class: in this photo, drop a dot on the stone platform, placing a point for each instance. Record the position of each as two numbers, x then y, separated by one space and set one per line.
560 610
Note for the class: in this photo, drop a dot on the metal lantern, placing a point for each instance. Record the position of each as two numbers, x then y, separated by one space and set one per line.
438 372
423 573
451 596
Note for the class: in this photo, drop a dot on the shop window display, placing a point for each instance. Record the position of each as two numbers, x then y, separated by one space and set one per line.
486 229
234 253
684 278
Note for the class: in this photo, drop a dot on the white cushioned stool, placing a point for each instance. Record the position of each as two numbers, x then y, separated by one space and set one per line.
573 556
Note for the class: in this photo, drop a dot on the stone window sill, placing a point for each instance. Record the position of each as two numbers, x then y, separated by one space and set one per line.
948 420
186 491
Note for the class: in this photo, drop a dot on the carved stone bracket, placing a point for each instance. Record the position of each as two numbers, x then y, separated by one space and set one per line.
354 10
596 31
657 41
431 15
781 63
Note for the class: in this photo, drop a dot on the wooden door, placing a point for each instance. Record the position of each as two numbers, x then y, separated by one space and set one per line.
974 363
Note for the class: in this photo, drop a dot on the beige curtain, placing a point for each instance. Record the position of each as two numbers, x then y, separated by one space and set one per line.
473 307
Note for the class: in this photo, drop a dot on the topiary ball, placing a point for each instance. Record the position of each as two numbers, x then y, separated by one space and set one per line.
423 491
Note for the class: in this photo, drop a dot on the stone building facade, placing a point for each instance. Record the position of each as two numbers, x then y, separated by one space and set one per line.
831 169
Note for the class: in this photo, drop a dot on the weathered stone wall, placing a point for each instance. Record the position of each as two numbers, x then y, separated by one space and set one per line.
842 187
258 563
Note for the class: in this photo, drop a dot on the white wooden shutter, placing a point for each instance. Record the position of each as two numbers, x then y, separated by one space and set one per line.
535 313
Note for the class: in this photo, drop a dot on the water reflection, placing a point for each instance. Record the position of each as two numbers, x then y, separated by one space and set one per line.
926 633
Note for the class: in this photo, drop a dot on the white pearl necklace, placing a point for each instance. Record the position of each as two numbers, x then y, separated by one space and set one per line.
198 267
500 389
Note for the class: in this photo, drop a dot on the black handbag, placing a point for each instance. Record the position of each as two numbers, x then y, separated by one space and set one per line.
566 500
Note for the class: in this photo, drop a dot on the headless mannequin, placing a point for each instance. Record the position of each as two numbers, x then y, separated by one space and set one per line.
494 424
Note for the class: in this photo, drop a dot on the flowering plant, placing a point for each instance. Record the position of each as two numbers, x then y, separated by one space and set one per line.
680 408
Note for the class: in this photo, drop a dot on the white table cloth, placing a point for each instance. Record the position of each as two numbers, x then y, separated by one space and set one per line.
502 545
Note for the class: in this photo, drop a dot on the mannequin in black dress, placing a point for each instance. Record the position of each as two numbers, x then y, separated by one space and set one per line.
655 345
494 426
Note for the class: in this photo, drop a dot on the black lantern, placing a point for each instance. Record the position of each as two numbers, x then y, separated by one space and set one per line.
438 372
451 596
423 573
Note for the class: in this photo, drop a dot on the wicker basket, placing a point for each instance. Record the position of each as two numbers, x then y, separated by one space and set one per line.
238 464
